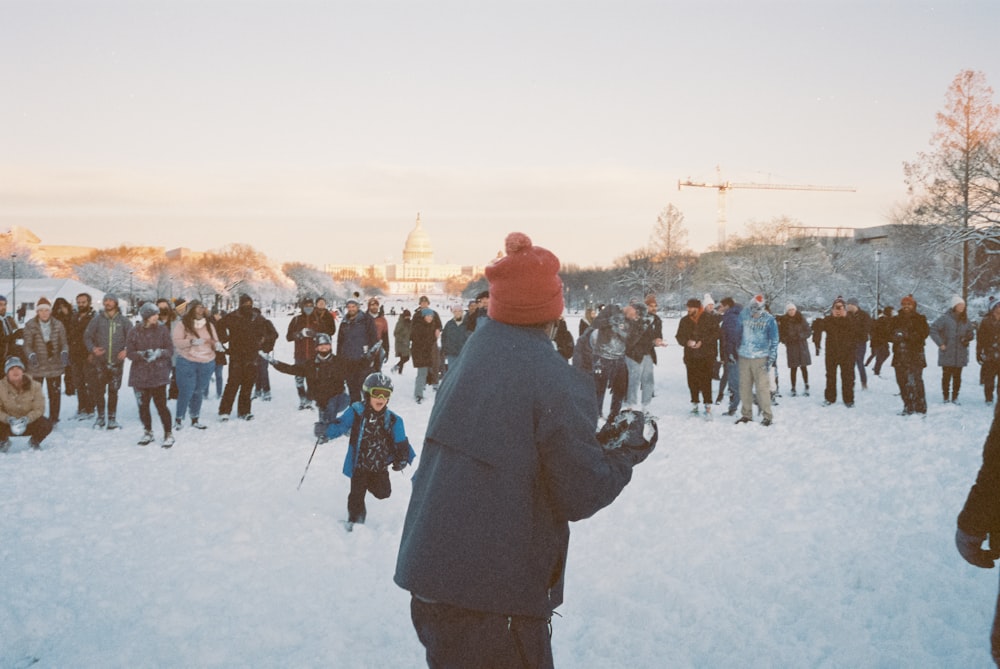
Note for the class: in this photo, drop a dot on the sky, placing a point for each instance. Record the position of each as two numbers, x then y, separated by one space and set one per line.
316 131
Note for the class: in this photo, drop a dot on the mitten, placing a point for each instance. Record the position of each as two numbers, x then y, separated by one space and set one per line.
319 431
640 439
32 359
971 548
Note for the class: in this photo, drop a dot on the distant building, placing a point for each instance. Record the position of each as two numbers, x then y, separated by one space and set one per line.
418 274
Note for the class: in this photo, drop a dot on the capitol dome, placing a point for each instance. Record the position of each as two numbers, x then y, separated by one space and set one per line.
417 250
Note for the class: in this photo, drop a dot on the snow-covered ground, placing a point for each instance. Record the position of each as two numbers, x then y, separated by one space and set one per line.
825 540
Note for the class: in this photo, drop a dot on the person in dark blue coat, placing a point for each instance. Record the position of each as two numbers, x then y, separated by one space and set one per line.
510 457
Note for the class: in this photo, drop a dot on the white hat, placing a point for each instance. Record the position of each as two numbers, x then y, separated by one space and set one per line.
789 307
955 301
707 300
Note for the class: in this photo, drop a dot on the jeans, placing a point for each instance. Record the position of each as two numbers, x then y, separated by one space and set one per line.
640 374
859 362
733 380
193 379
420 384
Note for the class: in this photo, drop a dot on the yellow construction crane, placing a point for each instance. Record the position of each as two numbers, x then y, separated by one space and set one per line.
723 187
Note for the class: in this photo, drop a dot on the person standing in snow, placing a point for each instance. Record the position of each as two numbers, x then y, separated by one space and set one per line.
423 342
842 337
908 333
605 342
105 339
697 332
979 521
640 354
150 348
262 384
758 351
988 350
880 340
195 341
245 332
453 337
793 332
377 441
22 407
302 330
863 329
484 544
401 334
356 337
11 335
47 348
952 332
78 356
377 315
730 334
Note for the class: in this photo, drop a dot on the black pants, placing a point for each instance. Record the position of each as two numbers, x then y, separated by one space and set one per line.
457 638
242 377
81 383
158 396
37 430
881 353
403 359
699 378
105 380
910 379
990 375
846 365
951 379
362 483
53 387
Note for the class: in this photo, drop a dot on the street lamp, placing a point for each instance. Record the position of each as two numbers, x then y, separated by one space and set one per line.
785 264
13 282
878 285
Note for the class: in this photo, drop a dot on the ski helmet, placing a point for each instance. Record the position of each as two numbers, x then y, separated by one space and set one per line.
323 338
377 381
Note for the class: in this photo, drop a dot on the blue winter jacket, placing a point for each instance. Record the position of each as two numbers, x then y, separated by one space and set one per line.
758 336
344 424
356 336
509 458
732 333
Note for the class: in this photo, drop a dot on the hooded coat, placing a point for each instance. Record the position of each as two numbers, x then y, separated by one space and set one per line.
49 353
955 333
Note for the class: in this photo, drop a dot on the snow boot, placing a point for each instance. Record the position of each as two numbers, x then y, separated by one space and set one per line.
805 393
168 440
147 438
178 425
99 423
694 408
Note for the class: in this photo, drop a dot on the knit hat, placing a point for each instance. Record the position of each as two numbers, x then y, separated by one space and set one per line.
323 338
350 302
111 296
908 301
707 300
838 300
245 299
955 301
757 303
426 312
694 303
525 287
789 307
12 361
3 298
43 303
147 310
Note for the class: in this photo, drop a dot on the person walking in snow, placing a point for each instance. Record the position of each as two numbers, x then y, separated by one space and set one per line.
988 351
453 337
952 332
758 350
863 329
325 377
377 315
908 333
794 333
977 535
423 342
22 407
105 339
698 333
730 334
150 348
377 441
484 544
842 337
244 332
196 342
401 335
880 340
47 348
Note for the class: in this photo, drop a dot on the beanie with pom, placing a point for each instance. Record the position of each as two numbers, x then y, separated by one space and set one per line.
525 288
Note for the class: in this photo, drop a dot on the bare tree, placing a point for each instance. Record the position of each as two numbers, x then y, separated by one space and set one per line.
957 182
668 244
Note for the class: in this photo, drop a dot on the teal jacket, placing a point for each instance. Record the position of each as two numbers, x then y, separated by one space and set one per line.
349 423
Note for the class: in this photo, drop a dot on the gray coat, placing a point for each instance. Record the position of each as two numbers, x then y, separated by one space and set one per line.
48 359
955 334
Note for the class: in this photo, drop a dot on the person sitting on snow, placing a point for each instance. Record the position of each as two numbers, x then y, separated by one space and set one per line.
21 407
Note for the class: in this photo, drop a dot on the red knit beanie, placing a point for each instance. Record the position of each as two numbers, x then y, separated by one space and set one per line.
525 288
42 302
908 300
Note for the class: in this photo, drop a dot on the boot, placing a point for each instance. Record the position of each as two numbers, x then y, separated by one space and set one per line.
168 440
99 423
113 424
147 438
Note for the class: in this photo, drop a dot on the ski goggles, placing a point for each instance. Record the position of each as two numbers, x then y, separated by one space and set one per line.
381 393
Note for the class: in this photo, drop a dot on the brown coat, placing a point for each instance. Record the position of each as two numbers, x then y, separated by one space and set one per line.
47 365
28 402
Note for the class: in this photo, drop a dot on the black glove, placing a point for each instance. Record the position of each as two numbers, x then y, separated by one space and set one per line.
971 548
399 465
628 432
319 430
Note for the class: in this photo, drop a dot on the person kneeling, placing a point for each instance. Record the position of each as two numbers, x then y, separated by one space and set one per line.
21 407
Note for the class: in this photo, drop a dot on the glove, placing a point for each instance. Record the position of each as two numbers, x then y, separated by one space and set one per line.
732 358
219 347
32 359
306 333
364 349
319 431
150 354
971 548
197 341
18 425
64 358
267 356
399 465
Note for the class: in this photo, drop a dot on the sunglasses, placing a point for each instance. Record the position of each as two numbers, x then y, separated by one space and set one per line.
380 393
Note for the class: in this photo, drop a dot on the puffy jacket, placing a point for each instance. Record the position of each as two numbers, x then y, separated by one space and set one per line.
27 402
731 333
350 421
144 373
48 354
956 334
108 333
356 336
487 527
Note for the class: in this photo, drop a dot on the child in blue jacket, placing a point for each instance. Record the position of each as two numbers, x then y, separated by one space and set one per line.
377 440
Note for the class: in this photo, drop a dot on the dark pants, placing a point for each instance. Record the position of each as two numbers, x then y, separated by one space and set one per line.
37 430
859 362
613 374
881 354
457 638
81 382
910 379
263 380
846 366
403 359
242 376
990 374
362 483
105 380
158 396
951 379
53 388
300 381
699 378
356 370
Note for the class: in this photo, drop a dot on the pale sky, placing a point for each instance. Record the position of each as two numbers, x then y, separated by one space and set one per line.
316 131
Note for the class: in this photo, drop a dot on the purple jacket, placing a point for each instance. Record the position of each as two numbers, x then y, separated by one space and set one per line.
139 343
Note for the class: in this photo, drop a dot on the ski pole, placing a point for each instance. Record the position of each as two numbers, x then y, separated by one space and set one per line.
299 486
